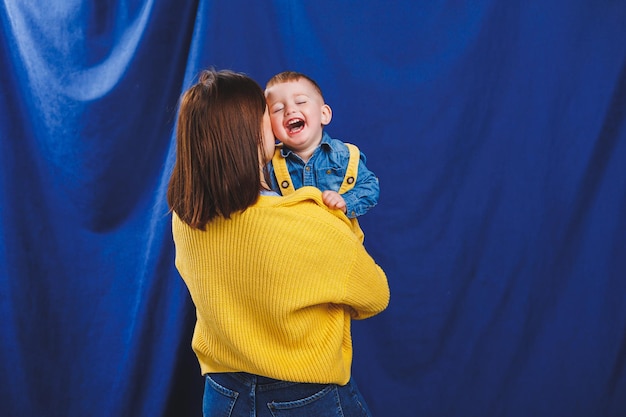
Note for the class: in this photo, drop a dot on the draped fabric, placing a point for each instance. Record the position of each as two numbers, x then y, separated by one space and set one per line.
497 130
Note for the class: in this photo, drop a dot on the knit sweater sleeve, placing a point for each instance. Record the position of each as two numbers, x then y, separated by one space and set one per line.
366 290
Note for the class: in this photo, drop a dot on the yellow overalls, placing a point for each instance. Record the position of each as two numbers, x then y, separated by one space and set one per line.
286 184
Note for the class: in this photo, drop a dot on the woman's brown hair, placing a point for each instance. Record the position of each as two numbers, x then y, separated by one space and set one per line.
218 134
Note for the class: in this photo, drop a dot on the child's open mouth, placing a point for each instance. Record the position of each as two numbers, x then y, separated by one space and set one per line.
294 126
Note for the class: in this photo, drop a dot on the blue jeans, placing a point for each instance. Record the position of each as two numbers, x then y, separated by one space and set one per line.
246 395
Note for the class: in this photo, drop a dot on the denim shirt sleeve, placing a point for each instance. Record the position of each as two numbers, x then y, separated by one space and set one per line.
365 193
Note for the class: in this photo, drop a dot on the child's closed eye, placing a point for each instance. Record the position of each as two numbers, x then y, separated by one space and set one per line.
301 99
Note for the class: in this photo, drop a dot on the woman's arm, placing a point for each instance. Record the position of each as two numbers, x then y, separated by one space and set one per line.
367 289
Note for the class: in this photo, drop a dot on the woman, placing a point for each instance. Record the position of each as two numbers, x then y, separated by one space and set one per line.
275 280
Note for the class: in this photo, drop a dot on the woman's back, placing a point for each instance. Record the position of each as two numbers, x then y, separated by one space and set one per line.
275 287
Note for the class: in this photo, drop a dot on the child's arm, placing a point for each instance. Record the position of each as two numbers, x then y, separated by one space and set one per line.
365 193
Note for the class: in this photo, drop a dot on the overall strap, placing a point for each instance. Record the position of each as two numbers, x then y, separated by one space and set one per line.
351 172
348 183
284 179
282 173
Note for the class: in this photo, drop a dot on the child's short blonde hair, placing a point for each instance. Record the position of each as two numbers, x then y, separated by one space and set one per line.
287 76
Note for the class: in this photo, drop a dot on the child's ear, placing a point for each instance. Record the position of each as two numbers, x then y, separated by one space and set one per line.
327 114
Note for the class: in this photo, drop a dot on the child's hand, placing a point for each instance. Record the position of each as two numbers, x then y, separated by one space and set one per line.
333 200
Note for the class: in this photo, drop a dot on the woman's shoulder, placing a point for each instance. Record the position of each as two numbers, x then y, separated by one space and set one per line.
306 202
305 194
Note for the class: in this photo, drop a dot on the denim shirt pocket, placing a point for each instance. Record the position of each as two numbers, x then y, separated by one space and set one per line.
330 178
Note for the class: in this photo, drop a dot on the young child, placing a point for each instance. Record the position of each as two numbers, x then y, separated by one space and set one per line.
307 155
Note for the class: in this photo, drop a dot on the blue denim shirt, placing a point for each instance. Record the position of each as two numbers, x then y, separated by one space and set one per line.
326 169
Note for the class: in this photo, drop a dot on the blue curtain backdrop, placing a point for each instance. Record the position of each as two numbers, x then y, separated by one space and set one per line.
498 132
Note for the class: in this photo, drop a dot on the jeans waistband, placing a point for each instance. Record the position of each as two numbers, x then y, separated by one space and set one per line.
247 379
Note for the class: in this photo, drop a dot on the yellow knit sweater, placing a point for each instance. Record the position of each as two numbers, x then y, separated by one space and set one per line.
275 288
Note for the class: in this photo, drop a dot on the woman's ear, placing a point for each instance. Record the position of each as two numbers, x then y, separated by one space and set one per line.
327 114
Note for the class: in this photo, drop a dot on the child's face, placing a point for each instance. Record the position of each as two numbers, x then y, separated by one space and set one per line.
297 113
